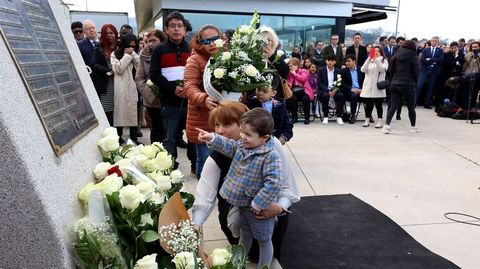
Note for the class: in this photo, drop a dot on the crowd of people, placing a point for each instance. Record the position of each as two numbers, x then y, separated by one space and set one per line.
238 153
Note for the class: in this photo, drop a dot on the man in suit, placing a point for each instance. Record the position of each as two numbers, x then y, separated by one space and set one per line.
318 59
335 50
77 31
352 83
87 46
327 75
358 50
431 63
389 50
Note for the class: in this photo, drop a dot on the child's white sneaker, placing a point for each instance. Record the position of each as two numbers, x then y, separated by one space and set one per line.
386 129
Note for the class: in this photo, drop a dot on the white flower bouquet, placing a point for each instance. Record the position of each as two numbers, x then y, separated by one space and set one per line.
337 83
240 68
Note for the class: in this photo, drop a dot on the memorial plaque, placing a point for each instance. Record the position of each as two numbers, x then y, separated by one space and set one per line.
38 49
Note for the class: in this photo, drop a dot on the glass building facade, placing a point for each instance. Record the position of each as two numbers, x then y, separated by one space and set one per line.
291 30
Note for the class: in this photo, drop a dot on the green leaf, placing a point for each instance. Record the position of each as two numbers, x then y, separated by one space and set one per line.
150 236
238 256
125 149
187 199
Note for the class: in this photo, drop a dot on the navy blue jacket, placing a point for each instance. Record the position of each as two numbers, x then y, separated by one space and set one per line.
346 86
323 79
434 63
282 124
86 49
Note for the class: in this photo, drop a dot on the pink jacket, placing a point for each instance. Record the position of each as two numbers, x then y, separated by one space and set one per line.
300 79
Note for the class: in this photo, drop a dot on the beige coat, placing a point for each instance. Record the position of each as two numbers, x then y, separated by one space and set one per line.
141 77
374 71
125 96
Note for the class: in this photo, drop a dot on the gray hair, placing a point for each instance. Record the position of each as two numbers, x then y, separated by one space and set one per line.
268 30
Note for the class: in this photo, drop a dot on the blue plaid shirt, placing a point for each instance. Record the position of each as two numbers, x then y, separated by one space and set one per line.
255 176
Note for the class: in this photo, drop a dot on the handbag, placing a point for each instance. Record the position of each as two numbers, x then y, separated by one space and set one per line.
382 84
287 91
298 89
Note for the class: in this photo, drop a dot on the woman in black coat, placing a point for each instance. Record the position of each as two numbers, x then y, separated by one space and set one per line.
404 70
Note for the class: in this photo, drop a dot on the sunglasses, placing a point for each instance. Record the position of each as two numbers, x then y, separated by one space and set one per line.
78 32
207 41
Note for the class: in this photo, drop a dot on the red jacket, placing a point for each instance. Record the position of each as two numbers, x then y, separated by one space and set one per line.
197 114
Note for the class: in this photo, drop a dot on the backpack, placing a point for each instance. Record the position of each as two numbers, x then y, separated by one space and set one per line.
447 110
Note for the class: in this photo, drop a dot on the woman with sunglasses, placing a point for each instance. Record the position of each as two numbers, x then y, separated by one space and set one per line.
124 59
199 103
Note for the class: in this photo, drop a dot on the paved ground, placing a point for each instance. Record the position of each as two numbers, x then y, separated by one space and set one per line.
412 178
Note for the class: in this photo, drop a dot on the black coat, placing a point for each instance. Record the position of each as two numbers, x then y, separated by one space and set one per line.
86 49
362 54
323 79
100 70
404 68
347 80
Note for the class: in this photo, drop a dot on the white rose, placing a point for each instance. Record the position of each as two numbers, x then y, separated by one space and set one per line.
130 197
251 71
220 256
83 194
164 160
146 219
158 145
122 164
163 183
139 159
147 262
280 53
149 83
150 165
101 170
176 176
108 143
184 260
109 131
110 184
219 73
148 151
244 29
158 198
218 43
226 55
146 188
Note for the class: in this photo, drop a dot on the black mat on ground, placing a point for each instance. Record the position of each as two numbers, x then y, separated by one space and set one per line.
342 231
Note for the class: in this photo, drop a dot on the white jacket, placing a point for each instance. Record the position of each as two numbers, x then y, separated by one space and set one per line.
374 71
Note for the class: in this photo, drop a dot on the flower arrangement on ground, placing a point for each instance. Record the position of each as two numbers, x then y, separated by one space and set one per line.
241 67
135 181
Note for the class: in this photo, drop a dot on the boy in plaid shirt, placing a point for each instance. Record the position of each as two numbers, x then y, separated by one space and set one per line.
254 178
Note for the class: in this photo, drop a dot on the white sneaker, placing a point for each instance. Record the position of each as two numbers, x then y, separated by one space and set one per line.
379 123
339 121
413 129
317 115
386 129
325 120
366 123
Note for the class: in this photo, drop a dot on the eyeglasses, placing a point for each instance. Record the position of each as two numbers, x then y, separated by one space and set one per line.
179 26
207 41
78 32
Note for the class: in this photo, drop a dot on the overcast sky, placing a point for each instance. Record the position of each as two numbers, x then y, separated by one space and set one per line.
418 18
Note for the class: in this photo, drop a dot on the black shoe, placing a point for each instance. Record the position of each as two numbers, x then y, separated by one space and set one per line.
294 120
352 120
182 144
398 117
121 141
139 133
175 165
306 122
428 107
371 120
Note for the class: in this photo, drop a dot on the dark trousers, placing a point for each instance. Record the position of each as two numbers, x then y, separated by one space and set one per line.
299 96
431 78
133 133
109 117
339 102
369 103
399 93
353 103
171 117
278 232
156 132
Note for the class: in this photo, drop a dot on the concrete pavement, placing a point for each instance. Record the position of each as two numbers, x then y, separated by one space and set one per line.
413 178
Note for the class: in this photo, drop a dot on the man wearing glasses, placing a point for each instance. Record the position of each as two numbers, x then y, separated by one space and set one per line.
166 71
77 31
335 50
88 44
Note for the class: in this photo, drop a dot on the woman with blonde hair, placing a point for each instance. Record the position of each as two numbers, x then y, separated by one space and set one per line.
375 70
